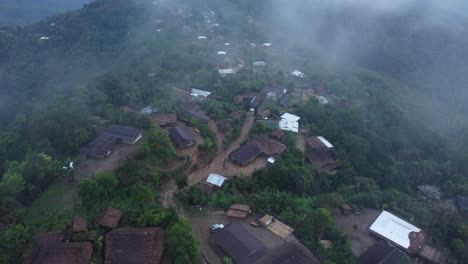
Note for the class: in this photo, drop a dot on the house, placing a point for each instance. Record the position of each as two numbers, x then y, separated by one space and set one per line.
271 96
398 232
61 253
382 253
431 255
132 245
100 147
239 211
236 115
289 122
149 109
318 143
181 137
268 146
265 114
222 53
322 160
271 160
199 115
255 103
266 220
245 154
322 100
109 218
226 71
298 74
201 37
258 64
216 179
280 229
199 93
277 134
289 253
236 242
164 119
124 134
284 101
462 202
345 209
79 225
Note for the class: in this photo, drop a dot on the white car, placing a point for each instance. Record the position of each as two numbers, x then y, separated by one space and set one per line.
216 227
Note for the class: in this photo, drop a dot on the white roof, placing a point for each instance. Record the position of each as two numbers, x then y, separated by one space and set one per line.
201 37
289 125
227 44
222 53
197 93
298 73
258 63
394 229
216 179
266 44
325 142
44 38
226 71
323 100
290 117
271 160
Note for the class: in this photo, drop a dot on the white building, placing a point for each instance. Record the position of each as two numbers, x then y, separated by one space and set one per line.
201 37
258 63
298 74
199 93
322 100
289 122
216 179
393 229
222 53
226 71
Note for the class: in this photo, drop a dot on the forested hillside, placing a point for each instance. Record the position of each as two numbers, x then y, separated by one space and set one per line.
20 12
398 119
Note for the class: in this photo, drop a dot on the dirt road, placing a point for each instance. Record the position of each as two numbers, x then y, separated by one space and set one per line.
217 166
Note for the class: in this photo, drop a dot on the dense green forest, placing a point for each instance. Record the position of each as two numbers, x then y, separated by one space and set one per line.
60 76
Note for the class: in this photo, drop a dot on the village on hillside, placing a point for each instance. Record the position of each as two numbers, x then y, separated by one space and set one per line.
220 142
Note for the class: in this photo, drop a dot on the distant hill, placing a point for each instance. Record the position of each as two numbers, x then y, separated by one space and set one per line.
20 12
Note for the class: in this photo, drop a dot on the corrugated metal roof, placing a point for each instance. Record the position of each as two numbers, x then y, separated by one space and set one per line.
325 142
216 179
394 229
226 71
290 117
289 125
197 92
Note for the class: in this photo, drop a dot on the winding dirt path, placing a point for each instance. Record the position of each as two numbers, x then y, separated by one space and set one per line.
219 165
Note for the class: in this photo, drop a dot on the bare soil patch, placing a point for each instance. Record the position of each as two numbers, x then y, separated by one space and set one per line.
356 227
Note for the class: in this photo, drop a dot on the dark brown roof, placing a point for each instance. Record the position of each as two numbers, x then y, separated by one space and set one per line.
130 245
109 218
63 253
321 160
199 115
236 115
268 146
266 113
381 253
181 136
289 253
431 254
245 154
315 143
278 134
79 225
124 133
164 119
239 244
239 210
99 147
417 241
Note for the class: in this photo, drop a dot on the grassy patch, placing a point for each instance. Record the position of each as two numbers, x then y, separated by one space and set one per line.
58 196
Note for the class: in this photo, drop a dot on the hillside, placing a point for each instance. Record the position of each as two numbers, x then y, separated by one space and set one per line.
366 77
21 12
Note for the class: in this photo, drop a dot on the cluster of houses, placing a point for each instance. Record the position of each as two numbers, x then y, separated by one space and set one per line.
121 244
240 244
255 147
398 238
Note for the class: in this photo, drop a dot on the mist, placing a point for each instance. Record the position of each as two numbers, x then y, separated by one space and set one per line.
419 43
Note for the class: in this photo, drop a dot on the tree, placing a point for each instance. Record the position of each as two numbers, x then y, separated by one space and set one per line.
12 182
182 246
14 242
227 260
181 181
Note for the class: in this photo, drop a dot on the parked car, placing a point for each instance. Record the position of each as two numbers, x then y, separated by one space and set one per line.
216 227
